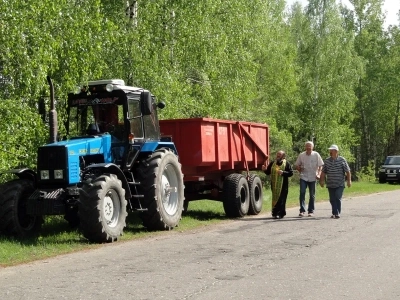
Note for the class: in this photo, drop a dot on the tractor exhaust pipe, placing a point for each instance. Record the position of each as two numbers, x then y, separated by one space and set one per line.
52 114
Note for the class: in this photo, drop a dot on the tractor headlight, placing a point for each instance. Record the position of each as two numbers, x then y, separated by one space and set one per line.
58 174
382 170
44 174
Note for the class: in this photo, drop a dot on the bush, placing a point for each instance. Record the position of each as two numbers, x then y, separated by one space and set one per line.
21 133
367 173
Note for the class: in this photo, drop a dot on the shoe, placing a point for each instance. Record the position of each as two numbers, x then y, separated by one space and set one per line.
337 217
311 214
301 214
275 217
332 217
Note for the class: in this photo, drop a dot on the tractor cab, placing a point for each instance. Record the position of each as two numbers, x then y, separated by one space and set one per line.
127 113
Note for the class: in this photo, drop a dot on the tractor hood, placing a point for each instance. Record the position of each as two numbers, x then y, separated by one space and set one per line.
83 146
61 162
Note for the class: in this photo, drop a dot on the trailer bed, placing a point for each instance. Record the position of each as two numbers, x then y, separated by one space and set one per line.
210 146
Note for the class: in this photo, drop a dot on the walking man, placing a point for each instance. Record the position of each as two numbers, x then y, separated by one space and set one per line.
334 171
309 164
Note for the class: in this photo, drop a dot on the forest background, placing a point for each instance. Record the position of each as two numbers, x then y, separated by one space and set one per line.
322 72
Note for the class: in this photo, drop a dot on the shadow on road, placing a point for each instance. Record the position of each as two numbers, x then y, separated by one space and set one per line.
285 219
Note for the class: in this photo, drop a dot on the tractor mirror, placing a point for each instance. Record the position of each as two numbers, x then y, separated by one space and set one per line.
161 105
147 103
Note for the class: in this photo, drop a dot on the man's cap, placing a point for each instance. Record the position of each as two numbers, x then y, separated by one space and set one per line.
334 147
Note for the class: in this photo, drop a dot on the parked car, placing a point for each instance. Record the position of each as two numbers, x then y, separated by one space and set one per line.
390 170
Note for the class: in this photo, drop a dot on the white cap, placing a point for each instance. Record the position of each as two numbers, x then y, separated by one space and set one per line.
334 147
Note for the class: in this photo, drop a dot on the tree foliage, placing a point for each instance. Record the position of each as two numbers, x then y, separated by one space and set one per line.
327 75
22 132
324 72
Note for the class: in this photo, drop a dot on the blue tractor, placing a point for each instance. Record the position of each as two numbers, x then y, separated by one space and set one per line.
112 160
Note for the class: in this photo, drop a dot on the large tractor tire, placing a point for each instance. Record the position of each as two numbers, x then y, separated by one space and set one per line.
236 198
161 181
102 209
256 195
14 221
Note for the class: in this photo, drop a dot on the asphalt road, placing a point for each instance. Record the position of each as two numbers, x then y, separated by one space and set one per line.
355 257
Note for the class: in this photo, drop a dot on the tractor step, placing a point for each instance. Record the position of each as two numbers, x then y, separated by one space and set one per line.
134 183
137 196
141 209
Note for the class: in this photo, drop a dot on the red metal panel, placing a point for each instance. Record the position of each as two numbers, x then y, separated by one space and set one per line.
207 140
209 145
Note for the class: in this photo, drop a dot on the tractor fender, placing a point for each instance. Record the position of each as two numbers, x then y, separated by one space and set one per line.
113 169
152 146
23 173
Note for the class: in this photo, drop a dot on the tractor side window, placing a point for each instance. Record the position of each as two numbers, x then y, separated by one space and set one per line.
151 124
135 117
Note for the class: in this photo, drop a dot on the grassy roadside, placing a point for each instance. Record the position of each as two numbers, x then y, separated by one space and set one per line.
57 238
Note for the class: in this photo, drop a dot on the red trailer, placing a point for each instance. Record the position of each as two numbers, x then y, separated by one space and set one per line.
214 155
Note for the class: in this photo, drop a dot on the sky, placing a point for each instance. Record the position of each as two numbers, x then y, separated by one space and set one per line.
390 6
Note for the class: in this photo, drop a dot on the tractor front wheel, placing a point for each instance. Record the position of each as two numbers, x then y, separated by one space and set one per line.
162 186
102 211
14 221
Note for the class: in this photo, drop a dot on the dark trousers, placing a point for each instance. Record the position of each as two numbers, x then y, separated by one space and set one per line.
335 198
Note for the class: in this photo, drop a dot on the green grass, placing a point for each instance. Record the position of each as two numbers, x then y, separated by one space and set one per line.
57 238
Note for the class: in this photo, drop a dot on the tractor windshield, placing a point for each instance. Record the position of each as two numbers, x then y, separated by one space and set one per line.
97 119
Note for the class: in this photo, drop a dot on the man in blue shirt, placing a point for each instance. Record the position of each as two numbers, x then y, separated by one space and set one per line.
334 170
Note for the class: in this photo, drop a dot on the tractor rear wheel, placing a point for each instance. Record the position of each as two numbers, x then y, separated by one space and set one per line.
235 195
162 186
256 195
102 211
14 221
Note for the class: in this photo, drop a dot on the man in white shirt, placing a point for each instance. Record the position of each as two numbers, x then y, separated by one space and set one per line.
309 164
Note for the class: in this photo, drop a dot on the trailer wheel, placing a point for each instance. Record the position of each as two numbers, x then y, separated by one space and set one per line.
102 209
256 195
14 221
236 198
162 186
